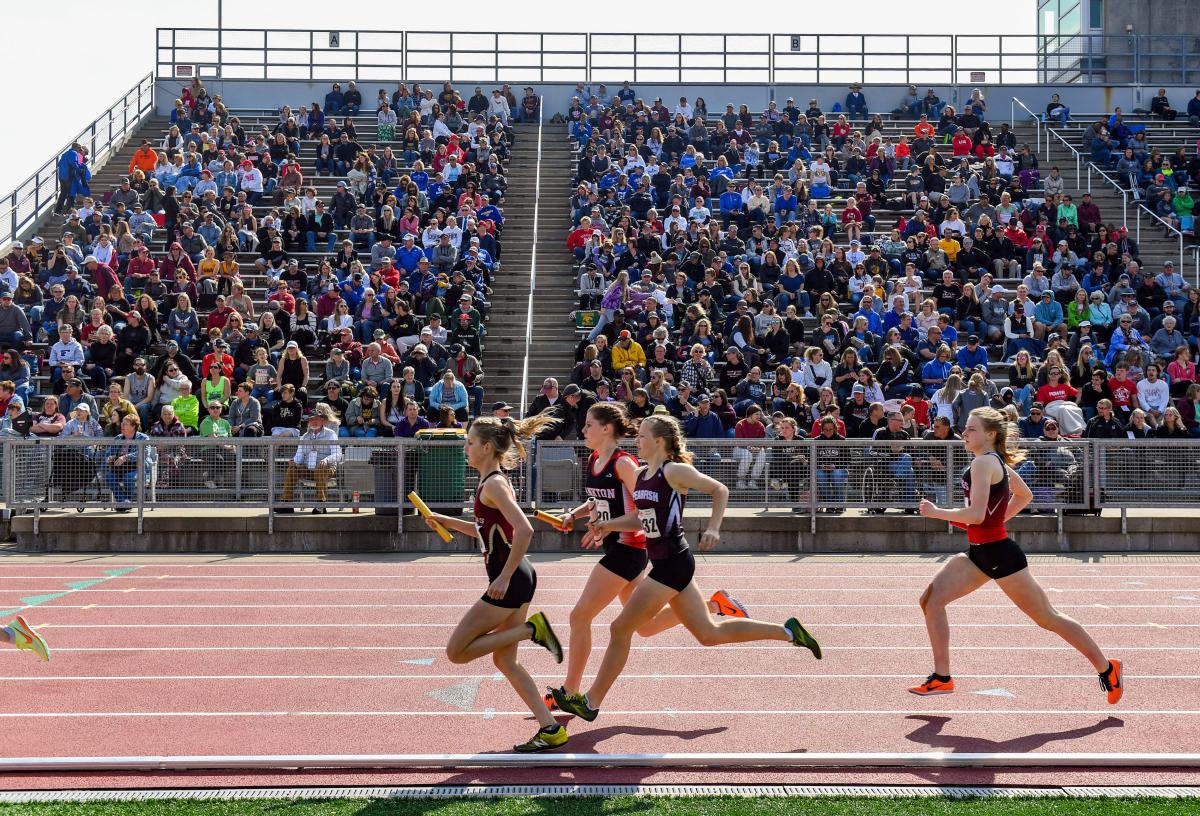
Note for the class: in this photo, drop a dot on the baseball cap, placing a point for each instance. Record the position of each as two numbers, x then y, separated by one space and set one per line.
501 406
571 390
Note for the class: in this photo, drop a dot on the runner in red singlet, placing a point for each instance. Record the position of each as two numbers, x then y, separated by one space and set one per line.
994 494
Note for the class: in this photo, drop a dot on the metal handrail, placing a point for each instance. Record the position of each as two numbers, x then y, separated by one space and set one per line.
36 194
537 201
1078 156
1141 207
748 58
1037 121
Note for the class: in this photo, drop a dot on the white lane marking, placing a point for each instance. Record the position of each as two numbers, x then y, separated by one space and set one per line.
452 624
217 678
736 712
582 577
797 605
996 692
595 645
795 588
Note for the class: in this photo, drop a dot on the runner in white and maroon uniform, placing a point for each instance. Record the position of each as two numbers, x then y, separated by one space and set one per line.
608 485
659 495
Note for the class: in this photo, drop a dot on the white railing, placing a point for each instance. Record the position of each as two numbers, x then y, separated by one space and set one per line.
1037 123
104 136
537 205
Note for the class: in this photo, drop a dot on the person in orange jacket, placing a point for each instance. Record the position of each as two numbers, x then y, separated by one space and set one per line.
144 159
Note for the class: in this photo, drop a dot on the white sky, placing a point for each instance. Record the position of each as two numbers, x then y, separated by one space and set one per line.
84 55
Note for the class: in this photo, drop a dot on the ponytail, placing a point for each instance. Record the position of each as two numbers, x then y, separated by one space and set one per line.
508 436
1006 434
668 429
613 415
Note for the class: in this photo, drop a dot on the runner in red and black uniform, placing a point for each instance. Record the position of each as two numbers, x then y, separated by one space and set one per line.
611 473
994 494
498 621
658 495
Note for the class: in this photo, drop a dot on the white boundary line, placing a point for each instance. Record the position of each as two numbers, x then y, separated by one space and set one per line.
558 676
375 576
440 647
957 606
601 625
666 712
797 589
602 790
931 759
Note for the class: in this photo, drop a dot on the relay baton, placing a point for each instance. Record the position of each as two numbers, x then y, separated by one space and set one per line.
424 511
558 522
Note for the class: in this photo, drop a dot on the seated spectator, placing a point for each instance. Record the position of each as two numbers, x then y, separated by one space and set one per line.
317 457
120 460
363 416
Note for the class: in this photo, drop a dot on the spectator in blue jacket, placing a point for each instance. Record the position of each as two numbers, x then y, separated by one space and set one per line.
972 354
856 103
335 102
68 164
703 423
449 392
730 203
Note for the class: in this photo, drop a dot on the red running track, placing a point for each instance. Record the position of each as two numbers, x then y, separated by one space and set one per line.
346 658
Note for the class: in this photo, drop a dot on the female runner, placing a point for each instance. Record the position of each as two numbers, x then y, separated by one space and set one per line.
995 493
611 474
659 495
497 622
20 634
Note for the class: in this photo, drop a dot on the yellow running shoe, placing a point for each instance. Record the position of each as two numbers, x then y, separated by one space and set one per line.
543 635
26 639
552 736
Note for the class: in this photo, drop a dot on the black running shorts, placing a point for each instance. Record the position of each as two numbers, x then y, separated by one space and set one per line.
998 559
674 571
624 561
520 588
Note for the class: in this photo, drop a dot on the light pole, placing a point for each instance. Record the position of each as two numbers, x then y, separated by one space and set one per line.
220 36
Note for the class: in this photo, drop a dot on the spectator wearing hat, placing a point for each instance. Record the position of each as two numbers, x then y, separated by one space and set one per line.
364 417
469 373
15 330
425 370
317 457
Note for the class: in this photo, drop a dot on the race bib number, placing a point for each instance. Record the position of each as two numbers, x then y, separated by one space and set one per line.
602 511
649 522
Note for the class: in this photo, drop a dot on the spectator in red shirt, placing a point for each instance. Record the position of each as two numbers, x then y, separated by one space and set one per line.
1124 393
286 300
751 460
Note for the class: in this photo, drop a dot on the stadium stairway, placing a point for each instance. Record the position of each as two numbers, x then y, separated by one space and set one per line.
552 350
1154 247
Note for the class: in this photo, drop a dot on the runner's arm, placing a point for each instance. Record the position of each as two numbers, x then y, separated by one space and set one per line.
1021 494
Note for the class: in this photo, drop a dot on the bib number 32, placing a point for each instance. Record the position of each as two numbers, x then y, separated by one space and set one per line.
649 523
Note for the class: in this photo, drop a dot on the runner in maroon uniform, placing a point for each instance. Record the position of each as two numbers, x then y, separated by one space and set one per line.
498 621
994 494
611 473
658 497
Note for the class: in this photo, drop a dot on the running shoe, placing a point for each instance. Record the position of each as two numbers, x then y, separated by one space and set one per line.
1113 682
801 637
544 636
552 736
26 639
728 606
932 686
576 704
548 698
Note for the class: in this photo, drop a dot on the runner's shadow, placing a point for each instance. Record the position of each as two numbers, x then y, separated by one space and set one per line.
586 741
930 733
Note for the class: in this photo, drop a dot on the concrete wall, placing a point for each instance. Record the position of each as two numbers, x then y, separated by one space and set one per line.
1174 26
779 532
271 94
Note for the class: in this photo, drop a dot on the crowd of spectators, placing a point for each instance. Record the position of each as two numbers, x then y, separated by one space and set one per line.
145 314
758 274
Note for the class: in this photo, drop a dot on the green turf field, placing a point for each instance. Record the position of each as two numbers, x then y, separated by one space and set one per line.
625 806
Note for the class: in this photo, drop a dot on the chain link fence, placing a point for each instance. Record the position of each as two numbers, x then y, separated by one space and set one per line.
810 475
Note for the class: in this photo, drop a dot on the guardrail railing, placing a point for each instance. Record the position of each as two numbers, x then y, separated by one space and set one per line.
277 474
107 133
763 58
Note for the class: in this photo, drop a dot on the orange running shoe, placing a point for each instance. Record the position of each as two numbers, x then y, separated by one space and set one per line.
728 606
932 686
548 699
1113 682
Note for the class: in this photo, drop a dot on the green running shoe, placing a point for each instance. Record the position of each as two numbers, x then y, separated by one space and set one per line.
26 639
576 704
554 736
801 637
543 635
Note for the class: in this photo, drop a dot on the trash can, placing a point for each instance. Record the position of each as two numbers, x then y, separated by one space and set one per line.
442 469
384 462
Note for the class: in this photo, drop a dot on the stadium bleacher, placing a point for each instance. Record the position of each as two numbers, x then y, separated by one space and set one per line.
659 192
228 208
